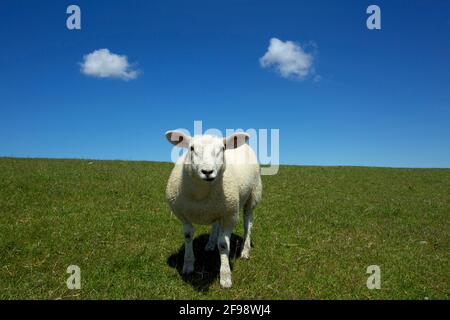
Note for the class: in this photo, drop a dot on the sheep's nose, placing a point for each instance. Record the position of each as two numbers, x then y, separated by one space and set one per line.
207 172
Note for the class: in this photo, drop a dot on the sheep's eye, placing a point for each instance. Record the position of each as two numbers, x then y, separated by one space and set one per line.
192 148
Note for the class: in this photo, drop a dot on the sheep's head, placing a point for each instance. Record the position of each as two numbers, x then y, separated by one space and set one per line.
206 154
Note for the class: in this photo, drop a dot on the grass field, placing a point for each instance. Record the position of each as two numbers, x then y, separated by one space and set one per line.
315 233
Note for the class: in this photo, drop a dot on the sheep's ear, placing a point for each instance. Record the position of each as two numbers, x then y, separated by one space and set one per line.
235 140
178 138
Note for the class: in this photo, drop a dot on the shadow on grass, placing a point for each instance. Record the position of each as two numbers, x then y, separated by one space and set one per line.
207 263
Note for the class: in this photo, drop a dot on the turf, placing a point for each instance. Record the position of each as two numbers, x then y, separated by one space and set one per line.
315 233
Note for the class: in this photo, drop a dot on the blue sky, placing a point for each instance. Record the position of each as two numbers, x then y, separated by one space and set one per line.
383 97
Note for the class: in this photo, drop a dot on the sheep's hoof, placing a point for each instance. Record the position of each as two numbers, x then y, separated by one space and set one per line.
245 254
210 246
225 283
188 268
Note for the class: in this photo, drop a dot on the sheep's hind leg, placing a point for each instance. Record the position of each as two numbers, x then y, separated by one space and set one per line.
224 249
248 223
189 259
212 241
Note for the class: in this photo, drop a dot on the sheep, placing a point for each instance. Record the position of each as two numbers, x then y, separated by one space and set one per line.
209 184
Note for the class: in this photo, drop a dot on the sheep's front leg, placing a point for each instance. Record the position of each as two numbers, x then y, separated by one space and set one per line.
212 241
224 249
189 259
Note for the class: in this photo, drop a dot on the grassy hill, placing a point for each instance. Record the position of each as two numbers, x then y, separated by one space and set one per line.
315 233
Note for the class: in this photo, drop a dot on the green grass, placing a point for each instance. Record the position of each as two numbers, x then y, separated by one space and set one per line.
315 233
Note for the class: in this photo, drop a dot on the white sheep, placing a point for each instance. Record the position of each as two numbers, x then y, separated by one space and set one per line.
209 185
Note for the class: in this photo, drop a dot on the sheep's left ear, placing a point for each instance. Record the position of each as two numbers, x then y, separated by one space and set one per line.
235 140
178 138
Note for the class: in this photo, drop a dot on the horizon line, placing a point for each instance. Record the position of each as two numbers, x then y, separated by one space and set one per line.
262 165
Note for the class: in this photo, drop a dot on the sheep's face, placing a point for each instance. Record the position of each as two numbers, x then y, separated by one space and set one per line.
205 159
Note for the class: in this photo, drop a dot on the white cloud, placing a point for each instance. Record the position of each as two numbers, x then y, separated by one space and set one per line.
104 64
288 58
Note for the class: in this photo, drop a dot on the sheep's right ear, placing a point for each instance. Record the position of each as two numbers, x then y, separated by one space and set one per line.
235 140
178 138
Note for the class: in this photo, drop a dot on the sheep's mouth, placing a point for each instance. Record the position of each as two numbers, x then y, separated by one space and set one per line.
209 179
